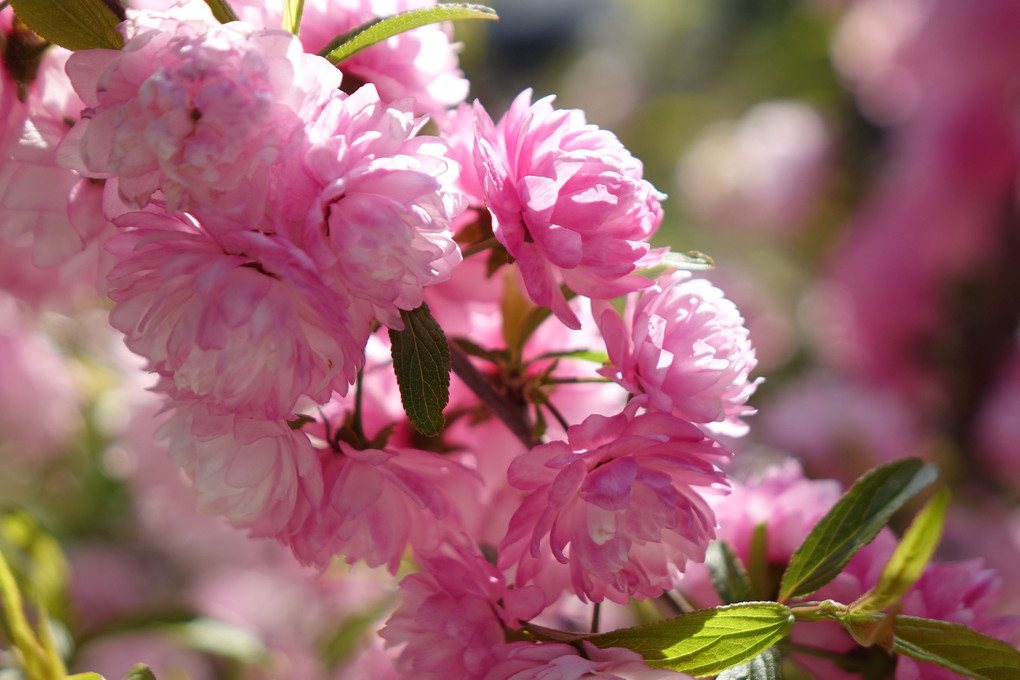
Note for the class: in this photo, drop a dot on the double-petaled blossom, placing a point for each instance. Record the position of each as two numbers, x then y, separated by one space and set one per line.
378 502
370 201
568 202
617 509
240 319
192 109
683 344
453 614
555 661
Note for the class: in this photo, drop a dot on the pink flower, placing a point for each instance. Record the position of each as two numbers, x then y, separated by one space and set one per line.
567 202
192 108
553 661
619 503
371 202
259 474
453 615
378 502
240 319
684 345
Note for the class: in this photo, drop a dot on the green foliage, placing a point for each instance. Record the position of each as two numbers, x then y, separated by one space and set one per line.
421 361
140 672
910 557
853 523
79 25
765 666
221 11
34 648
707 641
956 647
292 11
728 574
376 31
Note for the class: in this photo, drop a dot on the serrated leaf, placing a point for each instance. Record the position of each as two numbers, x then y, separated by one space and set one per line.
222 11
728 574
707 641
961 649
910 558
852 523
292 11
140 672
765 666
421 361
79 25
377 31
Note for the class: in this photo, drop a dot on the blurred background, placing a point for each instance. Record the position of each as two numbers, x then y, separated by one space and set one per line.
850 167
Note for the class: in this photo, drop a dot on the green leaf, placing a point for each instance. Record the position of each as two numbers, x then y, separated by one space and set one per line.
956 647
85 676
16 626
377 31
852 523
292 11
78 25
765 666
140 672
222 11
689 260
728 574
421 361
707 641
910 558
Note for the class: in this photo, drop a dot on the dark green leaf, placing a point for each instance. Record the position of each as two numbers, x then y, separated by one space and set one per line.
79 25
380 30
292 11
222 11
956 647
707 641
852 523
910 557
728 574
765 666
140 672
421 361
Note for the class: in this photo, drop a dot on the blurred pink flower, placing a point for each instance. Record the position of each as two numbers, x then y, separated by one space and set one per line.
240 319
261 475
192 108
372 202
682 343
620 503
568 202
554 661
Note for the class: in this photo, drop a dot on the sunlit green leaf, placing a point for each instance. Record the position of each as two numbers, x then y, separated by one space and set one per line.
956 647
421 361
86 676
292 11
689 260
16 626
707 641
728 574
377 31
852 523
140 672
765 666
911 556
78 25
221 11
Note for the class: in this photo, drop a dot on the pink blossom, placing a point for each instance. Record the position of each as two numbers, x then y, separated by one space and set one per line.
452 616
377 502
553 661
619 503
241 319
371 202
684 345
192 108
567 201
259 474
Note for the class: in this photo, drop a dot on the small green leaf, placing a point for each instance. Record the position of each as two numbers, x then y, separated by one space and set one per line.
421 361
765 666
910 558
728 574
292 11
222 11
689 260
707 641
85 676
852 523
956 647
377 31
78 25
140 672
